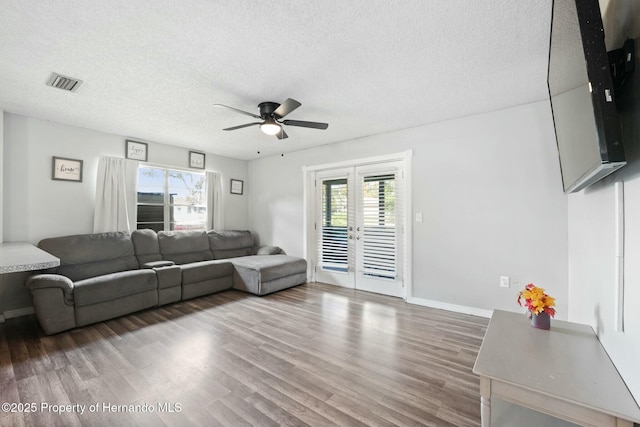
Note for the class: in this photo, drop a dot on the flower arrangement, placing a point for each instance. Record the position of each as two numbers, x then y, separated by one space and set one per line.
536 301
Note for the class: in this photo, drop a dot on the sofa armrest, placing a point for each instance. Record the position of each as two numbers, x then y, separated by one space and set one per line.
158 264
52 296
268 250
46 281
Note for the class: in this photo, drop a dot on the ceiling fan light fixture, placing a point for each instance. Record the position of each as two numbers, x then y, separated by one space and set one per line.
270 127
272 114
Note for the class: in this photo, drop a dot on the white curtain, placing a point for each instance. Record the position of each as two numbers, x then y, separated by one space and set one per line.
115 207
215 211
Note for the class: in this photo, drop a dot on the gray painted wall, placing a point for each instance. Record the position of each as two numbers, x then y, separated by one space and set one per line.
36 207
490 191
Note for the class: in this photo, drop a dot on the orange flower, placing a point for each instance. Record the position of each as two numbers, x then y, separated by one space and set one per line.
536 300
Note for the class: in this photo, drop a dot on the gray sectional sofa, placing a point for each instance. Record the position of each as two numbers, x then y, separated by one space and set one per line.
106 275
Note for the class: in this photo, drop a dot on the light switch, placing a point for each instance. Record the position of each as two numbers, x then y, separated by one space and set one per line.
418 216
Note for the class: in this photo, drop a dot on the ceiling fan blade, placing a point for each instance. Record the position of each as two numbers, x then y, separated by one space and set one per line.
282 134
243 126
301 123
246 113
286 107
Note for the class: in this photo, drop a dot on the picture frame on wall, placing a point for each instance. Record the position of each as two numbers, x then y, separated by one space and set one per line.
135 150
64 169
237 186
196 160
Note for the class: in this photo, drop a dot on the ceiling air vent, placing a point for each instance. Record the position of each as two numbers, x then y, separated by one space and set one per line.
62 82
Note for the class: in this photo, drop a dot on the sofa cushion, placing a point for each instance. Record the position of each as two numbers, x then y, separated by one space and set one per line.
183 247
145 244
89 255
230 243
202 271
113 286
272 267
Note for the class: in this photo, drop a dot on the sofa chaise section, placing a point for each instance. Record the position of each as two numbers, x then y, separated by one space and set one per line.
265 274
259 270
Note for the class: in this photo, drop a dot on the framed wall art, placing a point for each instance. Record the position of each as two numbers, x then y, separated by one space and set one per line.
196 160
64 169
237 186
135 150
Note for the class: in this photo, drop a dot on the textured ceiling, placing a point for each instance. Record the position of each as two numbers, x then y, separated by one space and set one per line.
152 70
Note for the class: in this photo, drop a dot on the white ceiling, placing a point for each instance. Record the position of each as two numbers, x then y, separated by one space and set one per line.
152 70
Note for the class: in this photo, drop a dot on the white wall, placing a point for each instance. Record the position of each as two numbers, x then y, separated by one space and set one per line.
1 179
592 258
489 188
35 206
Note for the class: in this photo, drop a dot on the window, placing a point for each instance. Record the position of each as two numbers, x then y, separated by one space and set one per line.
171 199
335 251
380 232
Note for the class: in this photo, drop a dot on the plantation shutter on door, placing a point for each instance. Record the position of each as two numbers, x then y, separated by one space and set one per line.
333 231
381 229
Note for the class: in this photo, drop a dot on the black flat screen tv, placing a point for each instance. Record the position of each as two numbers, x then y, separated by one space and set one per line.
585 118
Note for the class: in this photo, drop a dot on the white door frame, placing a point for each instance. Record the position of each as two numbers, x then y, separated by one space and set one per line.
308 173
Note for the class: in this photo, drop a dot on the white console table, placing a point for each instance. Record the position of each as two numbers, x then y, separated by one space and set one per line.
564 372
21 256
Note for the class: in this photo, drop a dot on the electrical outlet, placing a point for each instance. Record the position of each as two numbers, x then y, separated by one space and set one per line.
504 281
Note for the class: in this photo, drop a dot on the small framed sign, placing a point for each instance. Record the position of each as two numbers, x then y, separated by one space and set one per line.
196 160
64 169
237 186
135 150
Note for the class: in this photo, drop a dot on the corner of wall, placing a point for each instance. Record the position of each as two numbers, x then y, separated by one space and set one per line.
1 206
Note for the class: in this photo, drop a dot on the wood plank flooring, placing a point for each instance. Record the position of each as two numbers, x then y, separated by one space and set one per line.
314 355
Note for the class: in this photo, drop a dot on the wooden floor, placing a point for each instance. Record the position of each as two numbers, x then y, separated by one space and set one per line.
314 355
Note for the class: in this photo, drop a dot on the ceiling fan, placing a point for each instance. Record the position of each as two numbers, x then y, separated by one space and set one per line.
271 114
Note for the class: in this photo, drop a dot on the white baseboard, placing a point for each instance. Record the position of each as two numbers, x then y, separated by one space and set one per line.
10 314
451 307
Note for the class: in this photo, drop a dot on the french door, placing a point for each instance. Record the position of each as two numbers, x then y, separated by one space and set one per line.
359 230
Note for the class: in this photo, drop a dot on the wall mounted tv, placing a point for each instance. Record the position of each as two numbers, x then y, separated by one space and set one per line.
580 84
